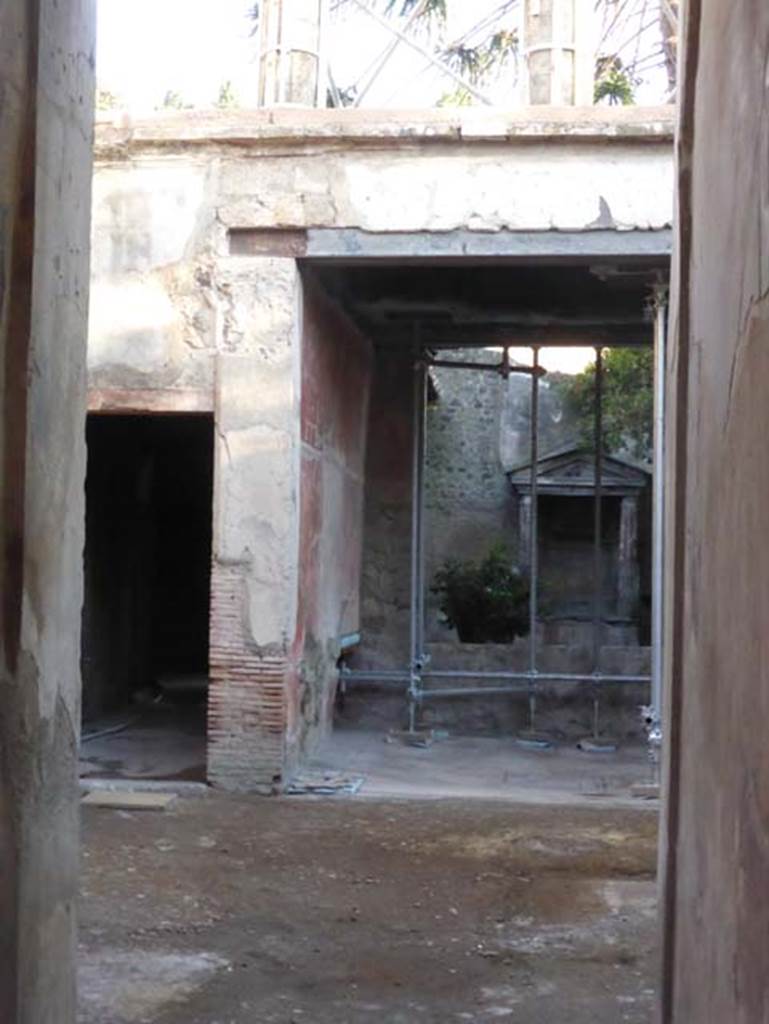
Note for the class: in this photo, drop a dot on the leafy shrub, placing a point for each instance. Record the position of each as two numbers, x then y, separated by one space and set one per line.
486 601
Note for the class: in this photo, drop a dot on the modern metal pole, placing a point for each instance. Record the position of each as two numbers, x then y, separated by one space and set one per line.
417 535
658 521
597 532
534 539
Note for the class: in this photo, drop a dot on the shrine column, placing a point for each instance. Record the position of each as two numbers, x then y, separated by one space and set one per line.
628 584
524 532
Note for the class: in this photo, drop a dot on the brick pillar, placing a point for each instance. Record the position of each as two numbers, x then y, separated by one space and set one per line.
256 523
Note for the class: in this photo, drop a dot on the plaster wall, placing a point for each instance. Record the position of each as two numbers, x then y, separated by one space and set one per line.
153 323
254 572
196 306
715 854
167 192
46 97
336 380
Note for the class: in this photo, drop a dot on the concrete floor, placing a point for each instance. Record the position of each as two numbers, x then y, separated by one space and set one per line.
402 908
165 741
481 767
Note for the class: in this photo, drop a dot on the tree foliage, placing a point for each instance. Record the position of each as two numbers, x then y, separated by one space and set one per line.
227 98
628 48
429 8
614 83
175 101
107 100
628 401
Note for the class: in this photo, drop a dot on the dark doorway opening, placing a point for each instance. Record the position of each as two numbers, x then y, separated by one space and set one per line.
149 496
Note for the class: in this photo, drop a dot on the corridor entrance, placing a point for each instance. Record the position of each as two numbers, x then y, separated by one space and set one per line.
147 581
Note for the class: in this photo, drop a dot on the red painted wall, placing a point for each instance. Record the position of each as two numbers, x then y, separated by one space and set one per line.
336 367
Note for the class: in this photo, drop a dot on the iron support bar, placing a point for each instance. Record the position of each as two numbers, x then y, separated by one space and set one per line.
417 535
514 681
534 537
383 58
658 525
384 675
430 57
559 677
355 676
473 691
597 531
491 691
504 369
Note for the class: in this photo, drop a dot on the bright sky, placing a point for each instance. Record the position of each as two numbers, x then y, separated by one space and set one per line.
566 359
148 47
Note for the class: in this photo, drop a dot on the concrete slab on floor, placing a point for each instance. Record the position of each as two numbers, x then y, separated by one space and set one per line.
129 800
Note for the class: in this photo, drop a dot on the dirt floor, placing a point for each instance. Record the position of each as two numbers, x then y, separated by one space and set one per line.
302 910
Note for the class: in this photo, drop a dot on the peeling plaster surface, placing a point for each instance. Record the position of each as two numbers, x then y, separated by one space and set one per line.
537 188
167 297
176 313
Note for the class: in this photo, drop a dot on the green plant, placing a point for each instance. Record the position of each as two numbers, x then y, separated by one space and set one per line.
227 99
628 401
486 601
614 83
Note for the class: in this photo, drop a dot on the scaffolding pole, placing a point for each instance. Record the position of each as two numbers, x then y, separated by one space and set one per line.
534 538
417 535
597 534
523 679
527 681
658 527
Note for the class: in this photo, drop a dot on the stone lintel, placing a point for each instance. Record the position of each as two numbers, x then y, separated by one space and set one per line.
149 400
350 128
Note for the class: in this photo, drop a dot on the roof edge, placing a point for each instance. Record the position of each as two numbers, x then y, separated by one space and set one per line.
367 128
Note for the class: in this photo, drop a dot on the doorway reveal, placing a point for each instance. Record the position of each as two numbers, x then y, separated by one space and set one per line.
149 496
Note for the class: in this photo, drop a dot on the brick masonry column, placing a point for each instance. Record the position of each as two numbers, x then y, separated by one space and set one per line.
256 522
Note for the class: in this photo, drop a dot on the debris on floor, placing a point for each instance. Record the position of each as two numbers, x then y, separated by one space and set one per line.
422 738
597 746
645 791
129 800
323 784
533 740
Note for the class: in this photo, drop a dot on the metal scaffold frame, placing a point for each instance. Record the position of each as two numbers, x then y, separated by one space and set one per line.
527 682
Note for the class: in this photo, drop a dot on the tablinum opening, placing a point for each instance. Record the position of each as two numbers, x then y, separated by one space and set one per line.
149 493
